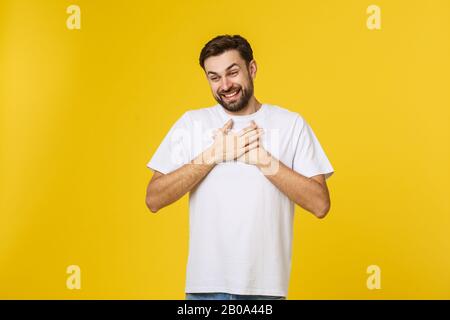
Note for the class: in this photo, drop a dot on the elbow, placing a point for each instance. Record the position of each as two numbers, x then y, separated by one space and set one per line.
323 211
153 209
151 204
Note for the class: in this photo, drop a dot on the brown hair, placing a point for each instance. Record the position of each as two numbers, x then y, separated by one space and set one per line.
223 43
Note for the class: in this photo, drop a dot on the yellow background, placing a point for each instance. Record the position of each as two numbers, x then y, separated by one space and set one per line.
82 111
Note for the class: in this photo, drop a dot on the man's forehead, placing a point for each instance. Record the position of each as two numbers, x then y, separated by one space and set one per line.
224 61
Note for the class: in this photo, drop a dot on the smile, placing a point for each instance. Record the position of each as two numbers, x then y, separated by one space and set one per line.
231 95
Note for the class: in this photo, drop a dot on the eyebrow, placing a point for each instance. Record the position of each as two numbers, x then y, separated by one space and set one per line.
229 67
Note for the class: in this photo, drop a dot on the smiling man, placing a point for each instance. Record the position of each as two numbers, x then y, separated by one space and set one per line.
245 165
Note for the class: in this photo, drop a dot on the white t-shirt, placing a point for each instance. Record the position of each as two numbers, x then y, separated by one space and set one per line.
240 234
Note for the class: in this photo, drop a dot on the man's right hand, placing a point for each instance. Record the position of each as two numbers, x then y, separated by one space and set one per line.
229 146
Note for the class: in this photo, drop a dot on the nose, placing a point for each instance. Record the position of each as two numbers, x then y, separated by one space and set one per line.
226 84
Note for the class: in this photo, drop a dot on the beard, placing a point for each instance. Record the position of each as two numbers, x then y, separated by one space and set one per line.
241 103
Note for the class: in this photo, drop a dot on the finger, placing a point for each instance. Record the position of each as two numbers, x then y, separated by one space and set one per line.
255 124
249 147
249 138
257 132
227 126
252 138
251 127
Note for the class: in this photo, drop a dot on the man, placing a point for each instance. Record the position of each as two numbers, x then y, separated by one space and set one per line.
245 164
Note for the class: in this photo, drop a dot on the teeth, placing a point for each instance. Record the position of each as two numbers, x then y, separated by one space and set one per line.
231 94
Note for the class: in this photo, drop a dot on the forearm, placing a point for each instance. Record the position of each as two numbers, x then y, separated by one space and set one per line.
172 186
306 192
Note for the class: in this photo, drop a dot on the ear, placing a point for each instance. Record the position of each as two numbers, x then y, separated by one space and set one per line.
252 67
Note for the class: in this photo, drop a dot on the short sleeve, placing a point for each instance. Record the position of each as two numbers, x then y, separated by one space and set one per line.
173 152
309 157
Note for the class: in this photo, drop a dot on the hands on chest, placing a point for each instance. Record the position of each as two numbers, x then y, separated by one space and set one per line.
243 145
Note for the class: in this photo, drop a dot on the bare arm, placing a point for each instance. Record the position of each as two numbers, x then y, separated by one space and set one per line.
164 189
309 193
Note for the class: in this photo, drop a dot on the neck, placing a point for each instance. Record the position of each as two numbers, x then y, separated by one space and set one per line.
252 106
